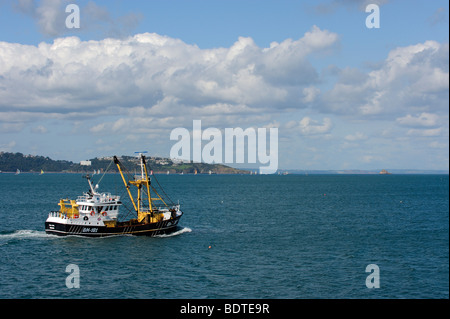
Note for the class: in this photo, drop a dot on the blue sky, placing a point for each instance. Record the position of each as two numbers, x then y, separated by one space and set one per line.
341 95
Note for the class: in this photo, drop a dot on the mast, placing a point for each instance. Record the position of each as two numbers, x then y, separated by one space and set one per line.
142 181
147 182
116 161
90 184
143 185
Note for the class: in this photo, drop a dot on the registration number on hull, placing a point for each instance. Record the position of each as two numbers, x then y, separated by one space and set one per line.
89 230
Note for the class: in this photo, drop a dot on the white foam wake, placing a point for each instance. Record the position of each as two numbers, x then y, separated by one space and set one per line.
178 232
25 234
36 234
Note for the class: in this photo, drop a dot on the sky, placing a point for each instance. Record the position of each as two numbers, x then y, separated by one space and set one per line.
342 95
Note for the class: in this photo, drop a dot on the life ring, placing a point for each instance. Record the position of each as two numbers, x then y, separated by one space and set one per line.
104 214
76 216
92 213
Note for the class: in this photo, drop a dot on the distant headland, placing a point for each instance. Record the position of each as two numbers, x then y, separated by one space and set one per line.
11 162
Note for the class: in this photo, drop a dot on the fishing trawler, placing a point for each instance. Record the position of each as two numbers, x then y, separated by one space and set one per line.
96 214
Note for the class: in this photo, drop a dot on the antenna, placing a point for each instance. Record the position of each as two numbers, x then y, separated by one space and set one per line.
90 183
141 163
141 152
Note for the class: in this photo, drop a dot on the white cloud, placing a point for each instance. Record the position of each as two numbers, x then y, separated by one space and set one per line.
331 6
308 126
147 84
11 127
98 128
161 77
422 120
286 63
414 77
40 129
370 158
164 76
358 136
439 16
50 16
425 133
310 94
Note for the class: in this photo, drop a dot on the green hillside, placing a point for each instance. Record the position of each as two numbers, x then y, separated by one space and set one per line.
10 162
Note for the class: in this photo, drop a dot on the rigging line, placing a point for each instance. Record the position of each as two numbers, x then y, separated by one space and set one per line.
129 175
159 196
125 170
122 194
126 205
105 171
129 211
171 201
148 167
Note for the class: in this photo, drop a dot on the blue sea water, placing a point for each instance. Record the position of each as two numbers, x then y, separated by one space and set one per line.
287 237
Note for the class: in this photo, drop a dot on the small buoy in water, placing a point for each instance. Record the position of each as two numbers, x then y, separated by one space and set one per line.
209 247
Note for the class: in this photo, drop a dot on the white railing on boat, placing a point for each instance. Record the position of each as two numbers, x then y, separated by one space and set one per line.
57 214
104 197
